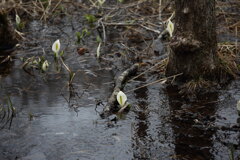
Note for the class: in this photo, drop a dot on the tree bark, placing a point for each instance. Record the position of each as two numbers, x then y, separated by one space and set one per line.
194 43
8 38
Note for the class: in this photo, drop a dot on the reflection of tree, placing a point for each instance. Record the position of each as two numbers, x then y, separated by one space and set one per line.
141 137
189 122
6 67
74 97
8 38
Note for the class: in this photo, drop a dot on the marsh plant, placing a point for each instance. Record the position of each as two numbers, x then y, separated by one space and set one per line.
91 19
170 27
18 20
19 24
45 66
122 99
38 63
56 49
81 35
59 56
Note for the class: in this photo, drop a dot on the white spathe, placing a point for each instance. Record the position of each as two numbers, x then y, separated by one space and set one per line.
45 66
170 27
18 20
56 46
121 98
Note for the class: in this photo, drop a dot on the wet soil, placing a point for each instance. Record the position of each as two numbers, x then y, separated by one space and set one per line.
160 125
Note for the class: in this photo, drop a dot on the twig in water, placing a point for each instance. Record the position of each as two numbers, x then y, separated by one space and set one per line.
157 81
145 71
119 84
160 10
100 22
71 73
56 5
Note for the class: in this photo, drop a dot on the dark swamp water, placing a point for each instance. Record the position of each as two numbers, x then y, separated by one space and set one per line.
161 125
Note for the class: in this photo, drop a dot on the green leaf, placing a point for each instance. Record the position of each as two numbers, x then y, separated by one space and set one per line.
61 54
90 18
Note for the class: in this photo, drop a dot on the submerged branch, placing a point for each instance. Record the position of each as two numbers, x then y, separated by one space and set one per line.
119 85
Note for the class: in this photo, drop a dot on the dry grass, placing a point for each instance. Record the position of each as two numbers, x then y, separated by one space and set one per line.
228 16
35 8
195 86
229 58
138 22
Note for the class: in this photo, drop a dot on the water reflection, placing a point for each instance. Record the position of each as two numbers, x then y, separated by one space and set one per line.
7 112
5 66
190 122
141 139
53 130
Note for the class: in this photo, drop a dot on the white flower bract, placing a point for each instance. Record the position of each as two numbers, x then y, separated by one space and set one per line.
170 27
45 66
121 98
18 20
56 46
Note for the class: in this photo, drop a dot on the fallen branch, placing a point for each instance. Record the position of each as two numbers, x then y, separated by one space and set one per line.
149 69
154 82
119 85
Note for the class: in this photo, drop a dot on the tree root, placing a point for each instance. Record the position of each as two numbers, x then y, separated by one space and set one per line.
120 81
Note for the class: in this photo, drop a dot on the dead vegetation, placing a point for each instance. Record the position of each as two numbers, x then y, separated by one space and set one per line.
228 32
197 86
229 59
34 9
130 29
228 16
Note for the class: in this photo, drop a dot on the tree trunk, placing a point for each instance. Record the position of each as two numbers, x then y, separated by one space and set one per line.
194 43
8 38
